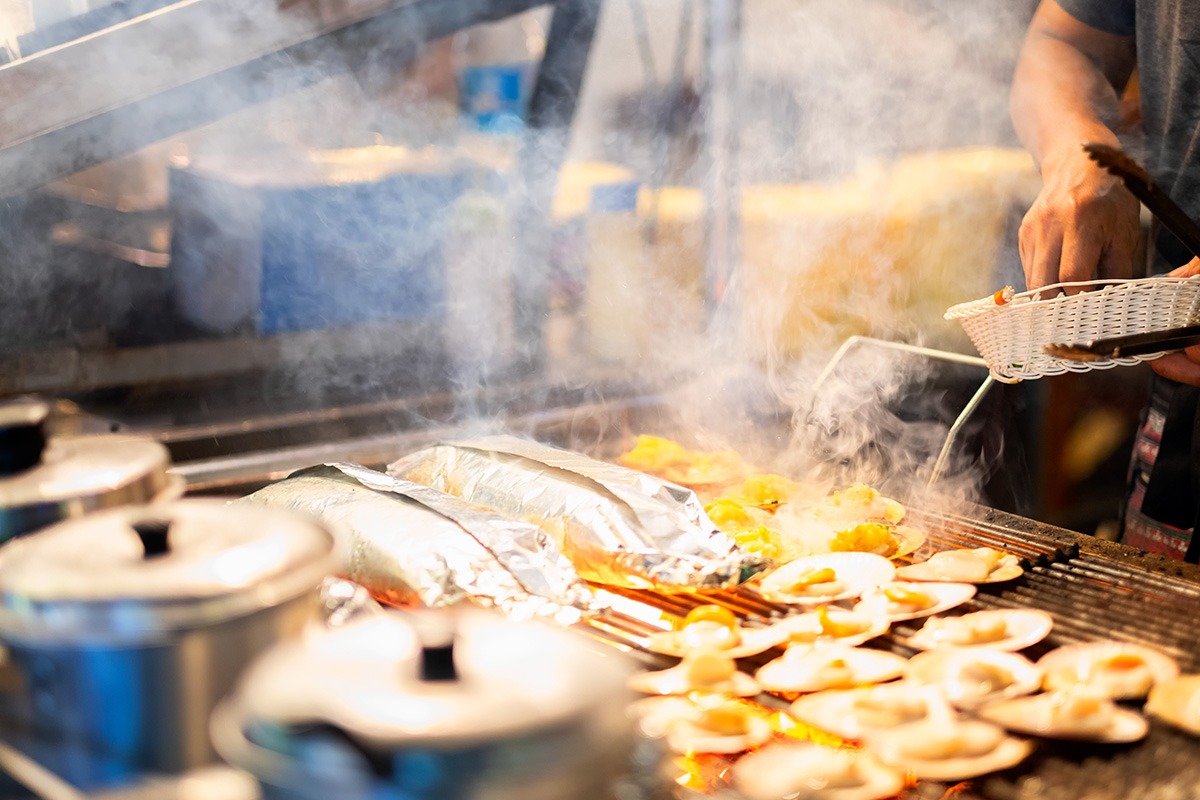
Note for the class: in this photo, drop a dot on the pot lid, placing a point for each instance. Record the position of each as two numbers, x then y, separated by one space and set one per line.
144 571
44 479
467 678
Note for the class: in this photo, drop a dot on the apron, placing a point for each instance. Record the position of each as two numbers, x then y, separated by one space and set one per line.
1164 474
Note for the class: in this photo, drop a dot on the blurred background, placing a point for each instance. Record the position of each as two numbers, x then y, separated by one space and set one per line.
248 227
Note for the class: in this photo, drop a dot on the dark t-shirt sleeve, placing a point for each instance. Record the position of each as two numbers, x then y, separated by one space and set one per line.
1111 16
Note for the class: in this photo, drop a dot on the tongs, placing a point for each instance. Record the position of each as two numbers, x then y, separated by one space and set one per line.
1174 219
1136 344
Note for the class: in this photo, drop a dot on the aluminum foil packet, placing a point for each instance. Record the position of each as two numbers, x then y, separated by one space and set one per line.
407 543
618 526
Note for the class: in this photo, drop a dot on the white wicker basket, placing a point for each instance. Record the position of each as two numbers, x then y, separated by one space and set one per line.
1011 330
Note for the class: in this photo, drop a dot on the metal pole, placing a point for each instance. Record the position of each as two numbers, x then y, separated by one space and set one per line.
722 45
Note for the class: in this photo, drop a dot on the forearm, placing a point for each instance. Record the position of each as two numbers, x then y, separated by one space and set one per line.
1063 95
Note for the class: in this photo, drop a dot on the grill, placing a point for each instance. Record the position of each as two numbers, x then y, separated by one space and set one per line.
1090 595
1093 589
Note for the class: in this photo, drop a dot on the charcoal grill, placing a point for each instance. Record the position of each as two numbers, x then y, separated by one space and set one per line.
1093 589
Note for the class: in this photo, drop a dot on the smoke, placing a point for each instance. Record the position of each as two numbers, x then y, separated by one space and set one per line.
842 232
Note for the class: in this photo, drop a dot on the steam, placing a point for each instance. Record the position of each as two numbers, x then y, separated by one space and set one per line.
833 94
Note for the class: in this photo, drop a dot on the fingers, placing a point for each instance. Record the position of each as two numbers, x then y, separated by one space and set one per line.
1041 250
1181 367
1187 270
1080 258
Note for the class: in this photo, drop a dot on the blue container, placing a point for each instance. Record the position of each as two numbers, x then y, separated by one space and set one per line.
282 247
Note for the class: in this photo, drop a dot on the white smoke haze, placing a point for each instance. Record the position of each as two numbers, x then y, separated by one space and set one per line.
832 94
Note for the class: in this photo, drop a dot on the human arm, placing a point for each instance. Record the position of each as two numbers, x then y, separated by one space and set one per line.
1083 224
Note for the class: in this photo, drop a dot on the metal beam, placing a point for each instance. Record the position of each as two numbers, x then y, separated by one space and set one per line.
195 61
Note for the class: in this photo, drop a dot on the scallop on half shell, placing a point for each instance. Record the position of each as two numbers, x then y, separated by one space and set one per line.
1120 670
857 713
802 769
734 641
976 565
831 626
698 672
1078 713
972 677
701 725
1177 702
812 669
900 600
949 749
826 578
998 629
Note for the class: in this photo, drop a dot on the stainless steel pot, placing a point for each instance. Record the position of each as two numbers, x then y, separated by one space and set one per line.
125 628
481 708
46 478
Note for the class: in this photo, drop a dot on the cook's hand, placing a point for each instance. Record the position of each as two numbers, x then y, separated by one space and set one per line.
1083 224
1184 366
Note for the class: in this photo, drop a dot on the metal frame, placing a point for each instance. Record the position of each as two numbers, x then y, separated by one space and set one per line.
82 103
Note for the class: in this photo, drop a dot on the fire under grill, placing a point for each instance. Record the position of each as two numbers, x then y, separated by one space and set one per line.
1090 595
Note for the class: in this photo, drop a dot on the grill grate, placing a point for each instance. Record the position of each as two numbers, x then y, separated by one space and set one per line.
1090 597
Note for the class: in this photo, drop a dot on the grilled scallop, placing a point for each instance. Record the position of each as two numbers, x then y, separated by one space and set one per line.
831 626
900 600
1076 713
798 770
812 669
826 578
978 565
713 628
724 728
1177 702
699 672
972 677
949 749
858 713
1119 670
999 629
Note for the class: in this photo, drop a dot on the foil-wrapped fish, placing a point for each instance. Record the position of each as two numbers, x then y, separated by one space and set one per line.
408 543
617 526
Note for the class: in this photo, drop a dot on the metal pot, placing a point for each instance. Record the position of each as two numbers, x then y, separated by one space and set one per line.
482 707
125 628
47 478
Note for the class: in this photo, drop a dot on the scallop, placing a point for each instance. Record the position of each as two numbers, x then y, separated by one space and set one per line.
811 669
972 677
803 531
1077 713
949 749
712 628
900 600
998 629
795 770
857 713
978 565
725 728
1177 702
698 672
826 578
1120 670
831 626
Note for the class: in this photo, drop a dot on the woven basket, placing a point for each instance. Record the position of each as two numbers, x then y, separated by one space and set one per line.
1011 330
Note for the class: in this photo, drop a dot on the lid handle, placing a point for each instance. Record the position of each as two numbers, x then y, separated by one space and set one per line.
436 633
153 533
22 434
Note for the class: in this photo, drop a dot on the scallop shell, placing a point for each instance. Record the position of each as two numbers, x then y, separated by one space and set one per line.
805 629
857 572
942 567
806 669
792 769
944 595
1177 702
948 669
1082 664
895 747
806 533
1023 627
677 720
751 641
680 679
857 713
1039 716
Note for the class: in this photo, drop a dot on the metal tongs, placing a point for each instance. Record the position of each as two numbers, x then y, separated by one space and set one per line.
1174 219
